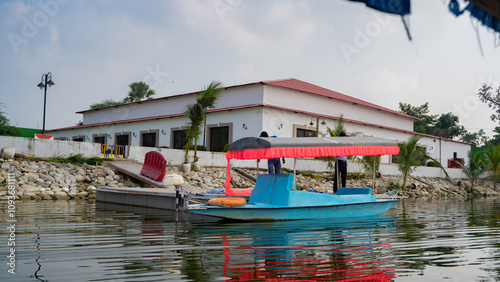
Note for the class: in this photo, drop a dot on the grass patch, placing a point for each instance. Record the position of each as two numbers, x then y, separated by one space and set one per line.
393 185
77 159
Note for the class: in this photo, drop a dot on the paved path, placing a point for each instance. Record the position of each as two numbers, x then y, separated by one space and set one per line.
133 169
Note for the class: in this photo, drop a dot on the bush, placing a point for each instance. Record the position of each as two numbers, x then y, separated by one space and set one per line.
355 175
226 147
77 159
432 164
393 185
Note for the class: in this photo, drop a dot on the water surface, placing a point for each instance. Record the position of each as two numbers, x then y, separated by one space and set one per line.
440 240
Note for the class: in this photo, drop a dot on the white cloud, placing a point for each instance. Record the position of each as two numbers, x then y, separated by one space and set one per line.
392 84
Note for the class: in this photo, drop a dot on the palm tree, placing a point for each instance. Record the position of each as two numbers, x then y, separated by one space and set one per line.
207 99
409 157
475 168
139 91
493 167
334 132
195 114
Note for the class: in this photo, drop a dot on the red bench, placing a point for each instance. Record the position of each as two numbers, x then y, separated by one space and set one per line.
154 166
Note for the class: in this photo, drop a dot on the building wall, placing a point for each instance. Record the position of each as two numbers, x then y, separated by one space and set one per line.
297 100
282 123
235 96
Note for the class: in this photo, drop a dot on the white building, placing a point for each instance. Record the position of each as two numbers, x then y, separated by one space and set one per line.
285 108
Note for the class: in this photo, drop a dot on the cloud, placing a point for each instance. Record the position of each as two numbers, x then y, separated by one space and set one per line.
389 83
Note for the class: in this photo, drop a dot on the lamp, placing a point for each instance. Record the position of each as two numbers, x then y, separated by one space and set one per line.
244 126
317 123
44 82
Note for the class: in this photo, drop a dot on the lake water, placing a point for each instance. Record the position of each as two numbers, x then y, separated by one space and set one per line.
439 240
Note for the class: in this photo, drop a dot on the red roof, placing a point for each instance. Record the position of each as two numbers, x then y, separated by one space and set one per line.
299 85
289 83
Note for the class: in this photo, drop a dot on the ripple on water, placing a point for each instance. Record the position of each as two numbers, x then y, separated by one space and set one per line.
434 241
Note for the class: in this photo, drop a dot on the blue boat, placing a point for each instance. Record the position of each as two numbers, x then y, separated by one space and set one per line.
275 196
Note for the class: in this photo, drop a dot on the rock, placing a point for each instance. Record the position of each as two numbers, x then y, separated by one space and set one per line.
173 180
31 177
28 170
46 177
100 174
28 195
8 153
72 193
82 194
60 196
91 189
79 178
28 188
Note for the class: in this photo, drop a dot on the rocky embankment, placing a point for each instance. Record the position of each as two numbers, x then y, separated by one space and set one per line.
55 181
211 178
35 179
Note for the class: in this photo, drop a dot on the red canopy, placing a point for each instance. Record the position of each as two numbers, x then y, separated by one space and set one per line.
307 147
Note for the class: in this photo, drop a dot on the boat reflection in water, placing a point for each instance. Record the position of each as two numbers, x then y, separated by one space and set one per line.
310 250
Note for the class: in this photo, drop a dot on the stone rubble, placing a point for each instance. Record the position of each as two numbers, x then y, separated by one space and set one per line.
211 178
37 180
63 181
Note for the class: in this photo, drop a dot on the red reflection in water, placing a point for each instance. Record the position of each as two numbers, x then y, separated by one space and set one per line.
296 267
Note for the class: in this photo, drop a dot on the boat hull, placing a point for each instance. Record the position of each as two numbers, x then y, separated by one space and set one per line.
266 212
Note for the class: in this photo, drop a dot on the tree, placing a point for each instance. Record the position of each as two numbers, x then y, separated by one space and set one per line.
477 139
447 126
139 91
425 121
409 157
5 128
486 95
496 138
334 132
474 168
493 166
105 103
207 99
194 112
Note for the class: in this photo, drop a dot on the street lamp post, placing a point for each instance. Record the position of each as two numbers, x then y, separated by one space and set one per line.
45 81
317 124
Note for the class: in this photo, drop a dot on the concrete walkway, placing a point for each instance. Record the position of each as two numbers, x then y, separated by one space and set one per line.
133 169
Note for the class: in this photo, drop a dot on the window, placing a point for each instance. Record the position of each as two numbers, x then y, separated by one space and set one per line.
149 139
219 137
100 139
180 139
122 139
79 138
305 132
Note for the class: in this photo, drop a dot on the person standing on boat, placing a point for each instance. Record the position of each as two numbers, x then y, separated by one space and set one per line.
273 165
340 169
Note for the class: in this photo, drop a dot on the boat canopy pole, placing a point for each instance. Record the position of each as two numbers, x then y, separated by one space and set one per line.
374 162
294 165
337 176
258 167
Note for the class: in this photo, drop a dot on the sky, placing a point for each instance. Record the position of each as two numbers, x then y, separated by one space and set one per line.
95 48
